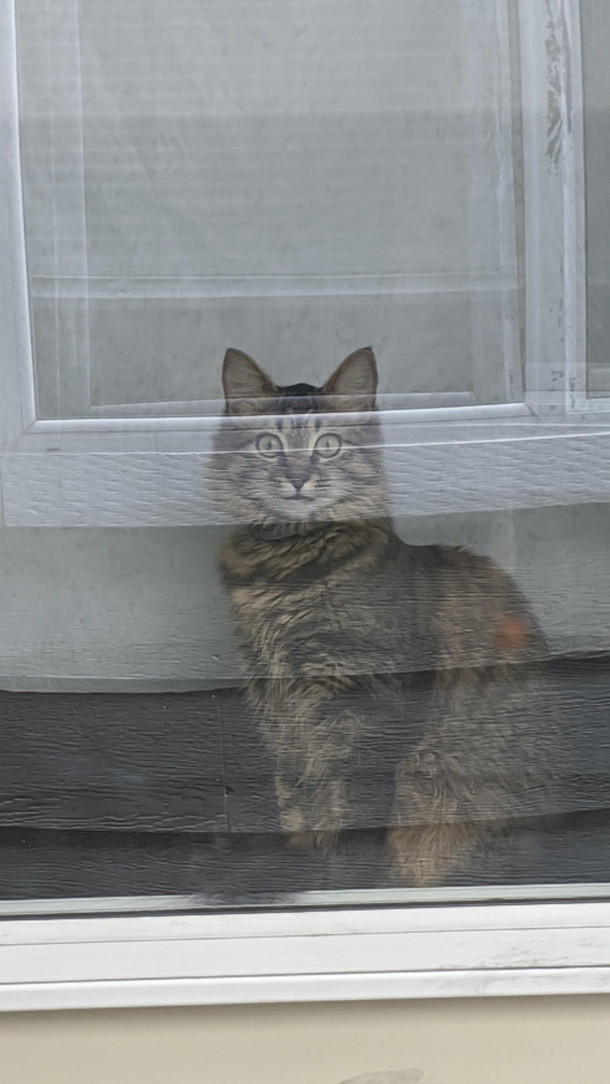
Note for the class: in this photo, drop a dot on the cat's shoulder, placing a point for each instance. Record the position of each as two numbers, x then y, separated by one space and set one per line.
445 564
440 556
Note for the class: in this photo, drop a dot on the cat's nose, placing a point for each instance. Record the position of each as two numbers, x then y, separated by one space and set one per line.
298 477
297 486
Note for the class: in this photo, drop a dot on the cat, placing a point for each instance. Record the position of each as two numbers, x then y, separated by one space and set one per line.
338 620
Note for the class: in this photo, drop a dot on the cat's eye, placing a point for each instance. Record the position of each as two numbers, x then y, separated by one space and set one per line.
269 444
327 445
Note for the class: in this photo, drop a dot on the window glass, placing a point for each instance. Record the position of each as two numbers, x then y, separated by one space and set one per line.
301 178
304 568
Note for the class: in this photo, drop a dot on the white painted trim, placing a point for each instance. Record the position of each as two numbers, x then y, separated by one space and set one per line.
553 126
432 469
293 916
486 48
196 408
17 402
575 256
418 952
541 982
209 421
310 903
222 286
61 97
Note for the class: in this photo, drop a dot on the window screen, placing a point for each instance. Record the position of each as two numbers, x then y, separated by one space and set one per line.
304 565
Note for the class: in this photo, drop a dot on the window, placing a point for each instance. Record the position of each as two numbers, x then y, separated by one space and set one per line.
301 181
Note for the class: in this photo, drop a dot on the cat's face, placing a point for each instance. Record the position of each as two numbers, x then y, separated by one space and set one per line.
299 454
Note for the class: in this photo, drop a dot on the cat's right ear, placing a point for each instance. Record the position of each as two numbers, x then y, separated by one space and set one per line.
354 384
247 388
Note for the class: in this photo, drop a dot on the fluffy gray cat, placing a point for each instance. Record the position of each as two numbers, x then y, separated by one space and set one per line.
338 619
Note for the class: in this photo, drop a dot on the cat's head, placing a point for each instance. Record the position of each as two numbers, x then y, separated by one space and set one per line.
300 453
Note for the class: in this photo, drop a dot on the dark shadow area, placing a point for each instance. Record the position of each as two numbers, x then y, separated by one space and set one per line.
142 794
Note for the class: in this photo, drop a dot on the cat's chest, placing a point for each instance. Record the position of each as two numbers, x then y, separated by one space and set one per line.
293 609
319 624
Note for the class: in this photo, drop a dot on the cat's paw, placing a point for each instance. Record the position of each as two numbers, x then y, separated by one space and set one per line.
326 842
424 855
315 820
301 841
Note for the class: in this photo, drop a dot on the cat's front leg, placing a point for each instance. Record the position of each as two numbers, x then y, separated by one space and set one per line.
312 816
424 855
312 811
313 757
312 726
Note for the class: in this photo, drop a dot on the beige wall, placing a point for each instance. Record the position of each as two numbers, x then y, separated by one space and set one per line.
494 1041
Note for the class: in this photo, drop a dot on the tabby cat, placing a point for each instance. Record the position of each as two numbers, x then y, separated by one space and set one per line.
338 620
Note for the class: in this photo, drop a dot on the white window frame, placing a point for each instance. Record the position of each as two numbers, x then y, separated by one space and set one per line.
471 950
550 449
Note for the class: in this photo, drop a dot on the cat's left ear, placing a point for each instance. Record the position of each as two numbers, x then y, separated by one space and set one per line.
248 390
354 384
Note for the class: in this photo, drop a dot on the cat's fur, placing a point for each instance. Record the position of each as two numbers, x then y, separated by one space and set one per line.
338 619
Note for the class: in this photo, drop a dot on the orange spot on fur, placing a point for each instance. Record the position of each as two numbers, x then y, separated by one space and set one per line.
511 633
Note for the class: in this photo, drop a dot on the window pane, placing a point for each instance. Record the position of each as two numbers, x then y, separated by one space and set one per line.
303 571
290 176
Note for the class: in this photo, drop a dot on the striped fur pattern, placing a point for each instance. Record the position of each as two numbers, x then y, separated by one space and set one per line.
339 621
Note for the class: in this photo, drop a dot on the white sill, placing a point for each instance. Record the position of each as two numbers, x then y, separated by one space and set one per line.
471 950
480 459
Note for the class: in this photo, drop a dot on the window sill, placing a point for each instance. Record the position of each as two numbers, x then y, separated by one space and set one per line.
333 955
106 472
